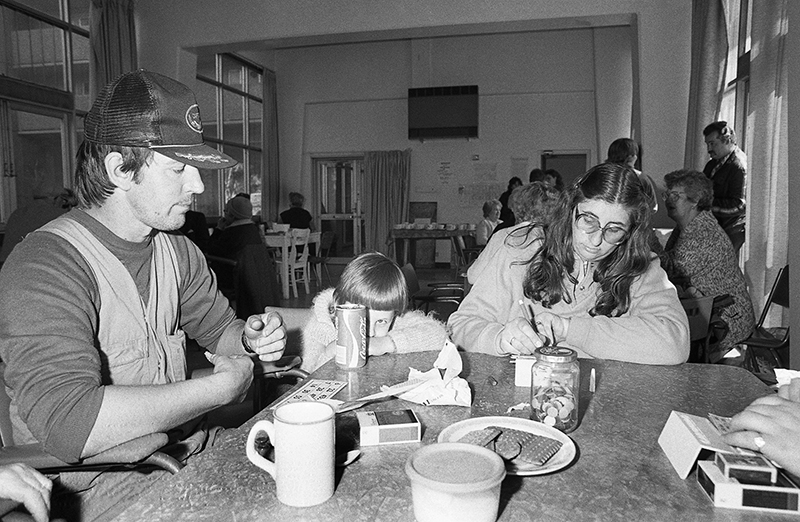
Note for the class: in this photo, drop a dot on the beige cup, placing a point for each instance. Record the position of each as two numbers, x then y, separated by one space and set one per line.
455 482
303 434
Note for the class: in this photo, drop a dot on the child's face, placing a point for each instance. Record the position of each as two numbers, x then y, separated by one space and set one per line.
380 321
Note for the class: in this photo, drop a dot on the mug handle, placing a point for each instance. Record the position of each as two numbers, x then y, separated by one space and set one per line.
250 449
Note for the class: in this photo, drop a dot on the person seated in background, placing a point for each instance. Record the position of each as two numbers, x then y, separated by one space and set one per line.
491 218
375 281
699 257
506 214
591 281
21 483
196 229
24 220
771 425
625 151
296 216
534 203
235 229
553 179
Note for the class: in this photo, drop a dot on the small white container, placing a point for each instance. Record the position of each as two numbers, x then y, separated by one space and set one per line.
455 482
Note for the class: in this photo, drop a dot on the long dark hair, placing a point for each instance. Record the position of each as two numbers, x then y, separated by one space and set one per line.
551 267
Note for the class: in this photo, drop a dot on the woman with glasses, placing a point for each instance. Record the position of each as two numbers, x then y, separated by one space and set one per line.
699 258
588 281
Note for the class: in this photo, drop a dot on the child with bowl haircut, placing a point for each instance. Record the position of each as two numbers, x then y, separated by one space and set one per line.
375 281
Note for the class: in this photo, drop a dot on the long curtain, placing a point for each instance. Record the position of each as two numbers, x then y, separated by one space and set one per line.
768 177
707 81
270 194
386 186
112 42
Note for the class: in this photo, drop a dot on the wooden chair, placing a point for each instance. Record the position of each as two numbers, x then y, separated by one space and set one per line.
298 259
320 261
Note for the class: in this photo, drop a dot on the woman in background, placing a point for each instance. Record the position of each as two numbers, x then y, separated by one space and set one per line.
491 218
699 257
591 282
296 216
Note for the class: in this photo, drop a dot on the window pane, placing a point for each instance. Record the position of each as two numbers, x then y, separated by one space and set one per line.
234 180
80 72
255 83
255 181
233 117
232 73
34 50
208 201
255 117
79 13
207 66
205 93
50 7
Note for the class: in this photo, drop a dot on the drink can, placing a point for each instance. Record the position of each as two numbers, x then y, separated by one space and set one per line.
351 337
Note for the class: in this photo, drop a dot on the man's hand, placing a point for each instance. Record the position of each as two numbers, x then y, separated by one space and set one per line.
22 483
265 335
235 372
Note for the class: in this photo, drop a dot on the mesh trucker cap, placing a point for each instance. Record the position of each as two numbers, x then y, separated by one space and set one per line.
145 109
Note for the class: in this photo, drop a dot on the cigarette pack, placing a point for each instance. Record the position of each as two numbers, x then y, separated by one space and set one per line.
389 427
781 497
749 469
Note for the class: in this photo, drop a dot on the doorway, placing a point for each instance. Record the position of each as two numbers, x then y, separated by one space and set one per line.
571 165
340 185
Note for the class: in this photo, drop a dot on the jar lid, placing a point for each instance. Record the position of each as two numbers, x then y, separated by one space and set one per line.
556 354
456 467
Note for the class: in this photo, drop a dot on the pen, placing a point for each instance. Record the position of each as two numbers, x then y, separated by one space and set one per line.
528 313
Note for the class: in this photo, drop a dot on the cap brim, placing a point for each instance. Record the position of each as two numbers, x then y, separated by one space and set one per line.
201 156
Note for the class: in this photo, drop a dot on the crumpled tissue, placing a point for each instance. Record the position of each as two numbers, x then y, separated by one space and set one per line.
442 386
784 376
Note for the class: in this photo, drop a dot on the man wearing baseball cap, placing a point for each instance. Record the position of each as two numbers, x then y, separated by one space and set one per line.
95 305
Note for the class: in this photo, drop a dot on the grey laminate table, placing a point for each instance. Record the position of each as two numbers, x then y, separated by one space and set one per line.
620 472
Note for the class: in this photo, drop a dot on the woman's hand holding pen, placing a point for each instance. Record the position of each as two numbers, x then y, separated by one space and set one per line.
518 337
552 328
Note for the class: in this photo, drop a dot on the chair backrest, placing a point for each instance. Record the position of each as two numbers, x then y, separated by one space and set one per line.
411 278
779 294
299 257
698 312
326 243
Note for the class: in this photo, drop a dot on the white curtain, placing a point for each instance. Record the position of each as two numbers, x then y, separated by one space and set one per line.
112 42
766 250
386 186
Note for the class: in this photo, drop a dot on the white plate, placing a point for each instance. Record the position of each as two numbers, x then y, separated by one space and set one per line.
562 458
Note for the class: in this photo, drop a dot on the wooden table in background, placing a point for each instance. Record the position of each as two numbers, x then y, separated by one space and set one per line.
283 240
403 237
620 472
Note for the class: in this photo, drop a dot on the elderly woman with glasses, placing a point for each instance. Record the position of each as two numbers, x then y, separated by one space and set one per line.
699 257
589 281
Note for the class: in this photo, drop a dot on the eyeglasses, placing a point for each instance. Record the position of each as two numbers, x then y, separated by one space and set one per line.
672 195
611 234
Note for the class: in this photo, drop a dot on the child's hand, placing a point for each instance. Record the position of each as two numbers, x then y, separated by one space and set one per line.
380 346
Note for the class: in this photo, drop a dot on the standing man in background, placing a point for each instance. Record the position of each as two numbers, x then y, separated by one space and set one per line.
727 169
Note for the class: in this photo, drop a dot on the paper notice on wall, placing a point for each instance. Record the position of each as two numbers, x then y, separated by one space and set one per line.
519 168
445 172
483 171
473 195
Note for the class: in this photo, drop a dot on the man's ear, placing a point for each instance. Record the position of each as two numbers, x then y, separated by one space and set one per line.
113 163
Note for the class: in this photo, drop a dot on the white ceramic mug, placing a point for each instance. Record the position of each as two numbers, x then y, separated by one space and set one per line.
303 434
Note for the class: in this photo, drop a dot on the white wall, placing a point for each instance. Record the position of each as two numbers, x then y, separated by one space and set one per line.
545 90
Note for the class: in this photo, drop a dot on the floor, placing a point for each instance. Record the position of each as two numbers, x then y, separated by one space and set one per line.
234 415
